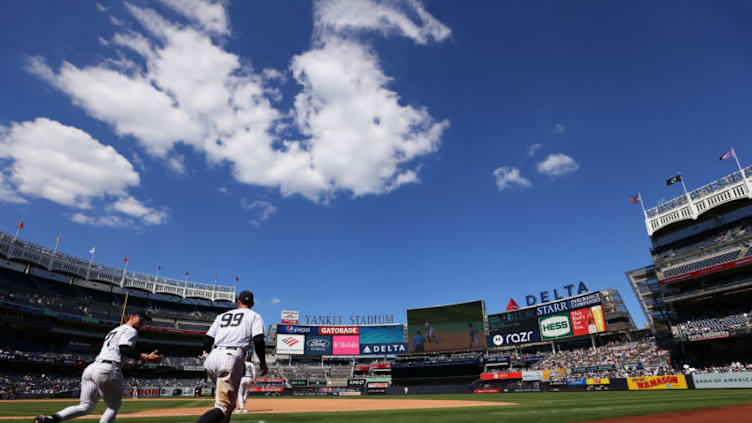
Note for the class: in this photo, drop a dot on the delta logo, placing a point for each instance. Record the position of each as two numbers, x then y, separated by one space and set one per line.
290 341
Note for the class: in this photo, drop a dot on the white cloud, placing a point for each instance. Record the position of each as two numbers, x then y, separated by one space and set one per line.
557 165
66 165
347 131
558 129
133 207
224 190
177 164
7 194
63 164
533 149
100 7
210 15
265 209
275 300
508 177
392 16
111 220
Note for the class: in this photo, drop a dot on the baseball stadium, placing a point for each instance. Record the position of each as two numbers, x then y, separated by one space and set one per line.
577 357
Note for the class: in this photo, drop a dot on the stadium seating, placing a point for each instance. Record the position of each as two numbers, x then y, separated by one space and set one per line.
701 264
709 324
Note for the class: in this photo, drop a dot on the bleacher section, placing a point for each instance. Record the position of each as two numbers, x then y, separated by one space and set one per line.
701 264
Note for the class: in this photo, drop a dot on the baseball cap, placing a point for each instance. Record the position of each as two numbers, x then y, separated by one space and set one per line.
141 315
246 297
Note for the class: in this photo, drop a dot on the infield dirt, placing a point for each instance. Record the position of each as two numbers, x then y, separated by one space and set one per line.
311 405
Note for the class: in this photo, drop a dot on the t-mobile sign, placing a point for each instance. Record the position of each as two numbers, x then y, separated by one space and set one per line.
346 345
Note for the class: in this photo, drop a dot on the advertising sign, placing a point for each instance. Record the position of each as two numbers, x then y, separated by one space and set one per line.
601 381
297 330
656 382
345 345
318 345
397 348
358 383
514 338
378 385
723 380
704 336
379 379
548 374
444 328
290 344
570 304
536 375
339 330
513 321
555 326
290 317
501 375
391 334
587 320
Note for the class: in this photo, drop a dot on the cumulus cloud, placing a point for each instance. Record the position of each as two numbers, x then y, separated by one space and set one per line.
210 15
348 131
533 149
264 209
407 18
558 129
275 300
557 165
100 7
109 220
508 177
66 165
177 164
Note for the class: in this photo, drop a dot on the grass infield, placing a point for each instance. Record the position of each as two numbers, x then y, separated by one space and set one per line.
558 407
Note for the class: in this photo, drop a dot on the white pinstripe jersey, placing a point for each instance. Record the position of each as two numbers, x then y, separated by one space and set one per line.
121 335
250 370
236 328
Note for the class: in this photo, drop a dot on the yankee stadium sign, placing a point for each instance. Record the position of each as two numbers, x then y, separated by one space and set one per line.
355 319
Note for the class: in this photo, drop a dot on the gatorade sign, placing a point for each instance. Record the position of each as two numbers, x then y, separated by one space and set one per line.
555 326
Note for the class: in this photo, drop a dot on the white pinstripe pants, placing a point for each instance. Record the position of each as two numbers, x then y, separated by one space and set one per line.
225 367
245 385
98 380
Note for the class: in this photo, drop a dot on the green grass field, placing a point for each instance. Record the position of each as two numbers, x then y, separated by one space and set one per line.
533 407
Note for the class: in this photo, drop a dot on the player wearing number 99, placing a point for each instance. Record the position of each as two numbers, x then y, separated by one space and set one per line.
104 378
228 339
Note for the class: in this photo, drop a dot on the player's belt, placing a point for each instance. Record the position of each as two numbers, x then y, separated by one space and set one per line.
108 362
228 348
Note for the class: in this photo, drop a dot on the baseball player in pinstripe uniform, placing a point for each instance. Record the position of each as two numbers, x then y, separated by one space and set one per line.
245 384
229 339
104 378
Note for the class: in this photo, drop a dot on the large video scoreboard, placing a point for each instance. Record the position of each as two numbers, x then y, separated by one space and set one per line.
575 316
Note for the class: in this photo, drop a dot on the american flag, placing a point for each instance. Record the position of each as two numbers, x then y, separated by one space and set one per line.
729 154
636 199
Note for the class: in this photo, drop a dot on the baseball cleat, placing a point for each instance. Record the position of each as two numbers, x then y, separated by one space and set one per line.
42 419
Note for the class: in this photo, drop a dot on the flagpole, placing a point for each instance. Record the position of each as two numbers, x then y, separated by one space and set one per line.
741 172
57 241
122 316
689 200
122 281
639 195
18 228
214 289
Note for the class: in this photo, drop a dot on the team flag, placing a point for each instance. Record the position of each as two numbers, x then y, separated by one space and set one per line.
57 239
126 260
20 225
636 199
728 155
93 250
675 179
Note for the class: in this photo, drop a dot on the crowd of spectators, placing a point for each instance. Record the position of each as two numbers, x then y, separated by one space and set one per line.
638 358
734 367
736 319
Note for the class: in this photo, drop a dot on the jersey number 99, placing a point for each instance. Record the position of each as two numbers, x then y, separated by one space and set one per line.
231 320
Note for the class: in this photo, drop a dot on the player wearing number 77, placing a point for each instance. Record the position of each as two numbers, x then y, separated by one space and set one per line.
104 378
228 339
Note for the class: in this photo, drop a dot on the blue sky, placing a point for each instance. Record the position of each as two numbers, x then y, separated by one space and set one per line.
368 158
